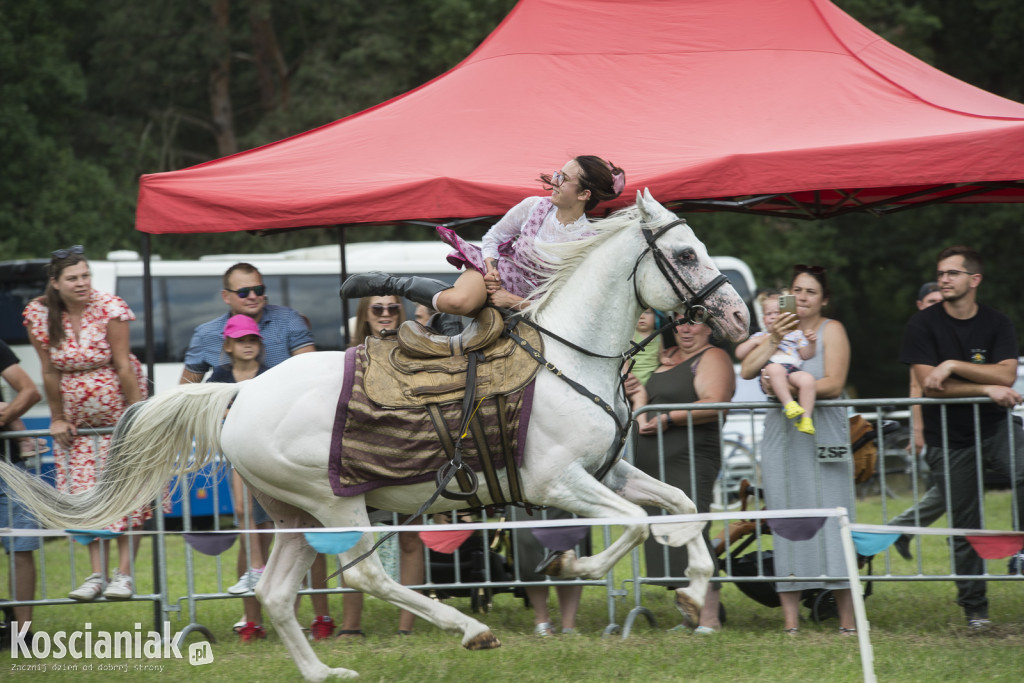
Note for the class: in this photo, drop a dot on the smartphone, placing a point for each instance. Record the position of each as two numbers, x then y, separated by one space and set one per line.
787 303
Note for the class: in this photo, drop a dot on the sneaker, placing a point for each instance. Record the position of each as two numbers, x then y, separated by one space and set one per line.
979 624
251 632
239 625
1016 563
805 425
793 410
120 588
88 591
544 630
322 628
247 581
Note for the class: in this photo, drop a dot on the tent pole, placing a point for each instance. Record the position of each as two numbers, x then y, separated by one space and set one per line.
344 276
147 298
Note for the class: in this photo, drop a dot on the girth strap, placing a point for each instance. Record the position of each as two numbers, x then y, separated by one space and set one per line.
611 456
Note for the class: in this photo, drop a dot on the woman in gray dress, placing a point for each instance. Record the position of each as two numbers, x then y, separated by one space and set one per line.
794 478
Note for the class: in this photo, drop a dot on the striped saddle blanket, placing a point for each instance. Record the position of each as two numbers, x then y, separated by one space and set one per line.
375 445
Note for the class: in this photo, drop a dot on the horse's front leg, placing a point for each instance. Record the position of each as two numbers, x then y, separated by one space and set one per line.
639 487
578 492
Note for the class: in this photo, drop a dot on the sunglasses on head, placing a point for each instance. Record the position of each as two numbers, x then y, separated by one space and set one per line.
64 253
378 309
243 292
813 270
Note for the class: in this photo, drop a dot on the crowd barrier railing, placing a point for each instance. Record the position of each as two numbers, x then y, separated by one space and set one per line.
895 466
905 470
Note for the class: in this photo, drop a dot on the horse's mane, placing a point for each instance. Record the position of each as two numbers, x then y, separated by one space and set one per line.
569 255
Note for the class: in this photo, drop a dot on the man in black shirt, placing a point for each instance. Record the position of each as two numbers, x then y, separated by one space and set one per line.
966 349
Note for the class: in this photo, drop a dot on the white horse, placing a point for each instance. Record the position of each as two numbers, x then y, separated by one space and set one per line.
278 432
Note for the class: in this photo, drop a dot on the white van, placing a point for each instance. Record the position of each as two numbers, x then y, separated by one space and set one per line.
187 293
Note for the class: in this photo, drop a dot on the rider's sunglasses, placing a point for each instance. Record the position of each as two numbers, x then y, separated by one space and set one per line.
558 178
64 253
813 270
243 292
378 309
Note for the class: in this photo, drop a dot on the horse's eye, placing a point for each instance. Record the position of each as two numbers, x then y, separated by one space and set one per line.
687 254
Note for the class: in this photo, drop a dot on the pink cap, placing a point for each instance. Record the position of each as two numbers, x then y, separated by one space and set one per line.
241 326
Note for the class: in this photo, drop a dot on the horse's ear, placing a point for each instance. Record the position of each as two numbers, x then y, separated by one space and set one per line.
641 203
649 207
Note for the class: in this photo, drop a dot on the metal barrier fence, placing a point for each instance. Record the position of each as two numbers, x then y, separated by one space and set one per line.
465 573
741 456
899 473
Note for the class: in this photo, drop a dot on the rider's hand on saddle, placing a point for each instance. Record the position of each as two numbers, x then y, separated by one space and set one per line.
502 298
492 276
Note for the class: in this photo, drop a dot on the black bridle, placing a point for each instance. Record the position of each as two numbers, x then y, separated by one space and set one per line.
696 312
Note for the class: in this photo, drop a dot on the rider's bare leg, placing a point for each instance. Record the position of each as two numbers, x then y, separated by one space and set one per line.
466 297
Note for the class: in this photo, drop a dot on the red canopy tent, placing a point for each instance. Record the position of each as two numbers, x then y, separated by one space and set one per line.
774 106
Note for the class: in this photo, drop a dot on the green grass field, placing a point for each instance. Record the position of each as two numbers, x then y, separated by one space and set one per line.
917 631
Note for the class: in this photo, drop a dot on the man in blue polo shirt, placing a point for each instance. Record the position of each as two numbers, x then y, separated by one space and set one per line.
284 331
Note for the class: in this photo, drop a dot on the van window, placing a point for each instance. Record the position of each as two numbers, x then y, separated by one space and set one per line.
739 283
20 282
196 300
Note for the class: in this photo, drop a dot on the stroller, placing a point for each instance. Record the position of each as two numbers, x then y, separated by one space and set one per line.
821 602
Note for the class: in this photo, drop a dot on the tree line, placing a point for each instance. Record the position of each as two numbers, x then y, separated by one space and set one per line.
97 92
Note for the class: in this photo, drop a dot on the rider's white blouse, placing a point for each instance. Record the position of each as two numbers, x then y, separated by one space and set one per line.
551 230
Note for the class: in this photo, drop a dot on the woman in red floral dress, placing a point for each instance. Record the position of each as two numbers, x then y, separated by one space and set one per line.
90 378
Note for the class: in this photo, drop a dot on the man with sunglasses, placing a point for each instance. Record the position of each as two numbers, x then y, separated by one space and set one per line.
285 332
965 349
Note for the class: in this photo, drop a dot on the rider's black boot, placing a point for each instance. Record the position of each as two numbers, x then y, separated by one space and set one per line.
445 323
419 289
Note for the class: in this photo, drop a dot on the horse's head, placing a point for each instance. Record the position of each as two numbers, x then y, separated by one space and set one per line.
675 273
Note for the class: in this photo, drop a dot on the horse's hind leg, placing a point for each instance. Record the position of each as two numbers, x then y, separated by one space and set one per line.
638 487
289 561
369 577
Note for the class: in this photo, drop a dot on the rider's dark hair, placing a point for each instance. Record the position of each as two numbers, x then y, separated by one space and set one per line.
602 178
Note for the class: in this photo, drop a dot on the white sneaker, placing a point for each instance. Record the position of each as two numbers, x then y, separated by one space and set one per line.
120 588
239 625
247 581
88 591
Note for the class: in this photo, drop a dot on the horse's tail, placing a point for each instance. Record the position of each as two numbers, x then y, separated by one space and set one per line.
151 443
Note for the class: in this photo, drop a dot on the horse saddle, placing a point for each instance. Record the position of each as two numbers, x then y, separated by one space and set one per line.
416 368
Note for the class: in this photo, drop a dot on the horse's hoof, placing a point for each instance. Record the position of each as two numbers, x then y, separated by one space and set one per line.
553 563
483 641
689 609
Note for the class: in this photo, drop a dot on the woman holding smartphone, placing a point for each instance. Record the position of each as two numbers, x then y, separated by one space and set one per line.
794 476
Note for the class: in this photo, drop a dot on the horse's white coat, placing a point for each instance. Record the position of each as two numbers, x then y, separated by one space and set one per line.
278 434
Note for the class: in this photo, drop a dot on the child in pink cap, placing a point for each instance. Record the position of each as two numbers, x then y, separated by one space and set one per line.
243 345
